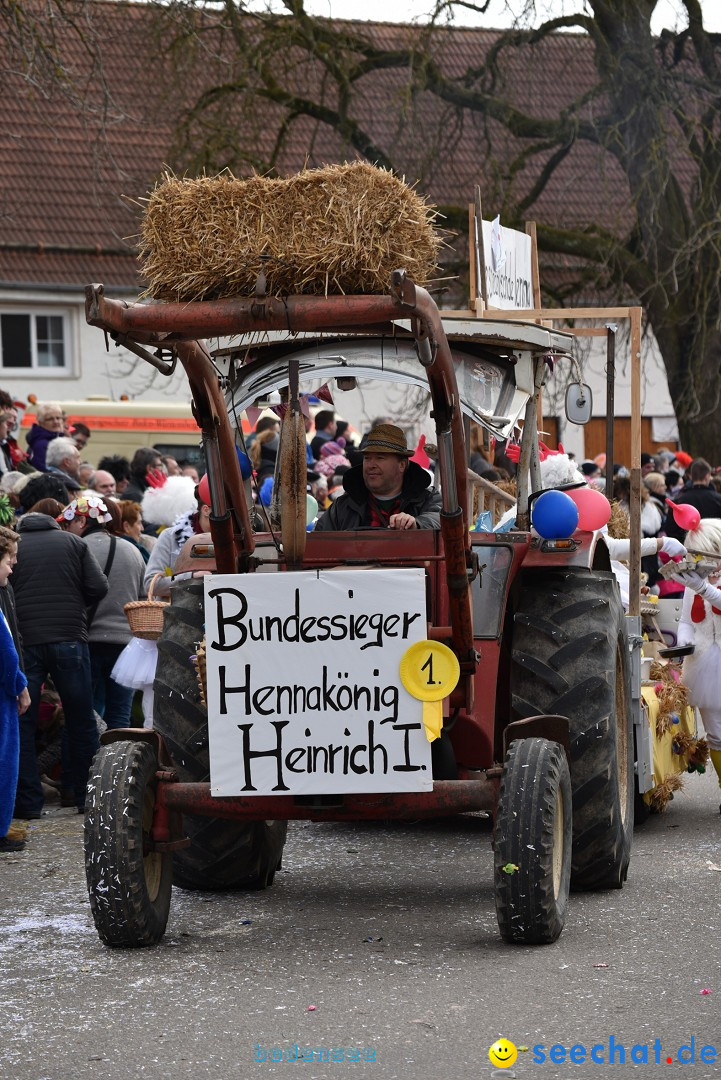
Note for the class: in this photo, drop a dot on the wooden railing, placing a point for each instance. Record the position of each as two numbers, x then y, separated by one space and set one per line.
484 495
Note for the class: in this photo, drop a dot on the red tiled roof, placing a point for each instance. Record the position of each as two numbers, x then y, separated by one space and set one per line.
70 166
56 268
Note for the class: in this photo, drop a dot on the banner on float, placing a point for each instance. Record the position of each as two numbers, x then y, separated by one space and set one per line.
304 691
508 261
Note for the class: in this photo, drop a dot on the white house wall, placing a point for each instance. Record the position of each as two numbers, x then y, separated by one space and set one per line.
95 372
91 370
591 353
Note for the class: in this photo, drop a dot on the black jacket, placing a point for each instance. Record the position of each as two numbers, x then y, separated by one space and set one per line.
351 510
55 579
7 606
706 500
72 485
134 492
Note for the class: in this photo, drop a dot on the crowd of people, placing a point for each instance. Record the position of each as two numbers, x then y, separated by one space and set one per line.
79 542
667 480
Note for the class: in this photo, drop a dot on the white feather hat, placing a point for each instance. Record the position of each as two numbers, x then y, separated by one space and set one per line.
162 505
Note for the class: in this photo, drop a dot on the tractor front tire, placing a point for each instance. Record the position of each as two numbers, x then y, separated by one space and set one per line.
571 658
532 844
129 886
222 854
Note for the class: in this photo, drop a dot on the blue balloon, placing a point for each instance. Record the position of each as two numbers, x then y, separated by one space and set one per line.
244 461
554 515
266 491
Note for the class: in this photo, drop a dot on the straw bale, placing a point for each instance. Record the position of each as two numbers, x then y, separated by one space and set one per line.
338 229
619 526
509 486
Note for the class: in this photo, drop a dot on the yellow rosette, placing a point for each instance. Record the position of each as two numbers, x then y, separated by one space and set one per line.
429 672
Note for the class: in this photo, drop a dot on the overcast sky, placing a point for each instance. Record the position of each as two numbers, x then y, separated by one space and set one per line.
667 12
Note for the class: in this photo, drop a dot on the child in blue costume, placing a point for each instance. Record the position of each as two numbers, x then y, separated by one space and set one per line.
14 699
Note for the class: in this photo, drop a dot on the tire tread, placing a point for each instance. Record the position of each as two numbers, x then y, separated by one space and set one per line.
124 913
527 910
222 854
584 691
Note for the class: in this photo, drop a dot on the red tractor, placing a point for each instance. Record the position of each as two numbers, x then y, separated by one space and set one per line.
537 723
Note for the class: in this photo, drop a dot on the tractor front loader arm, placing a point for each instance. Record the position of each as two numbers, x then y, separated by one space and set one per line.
178 326
230 526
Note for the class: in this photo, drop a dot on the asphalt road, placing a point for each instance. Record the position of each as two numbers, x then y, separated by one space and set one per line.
382 939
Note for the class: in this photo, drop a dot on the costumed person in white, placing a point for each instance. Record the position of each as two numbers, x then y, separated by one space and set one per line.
195 518
620 552
700 626
170 502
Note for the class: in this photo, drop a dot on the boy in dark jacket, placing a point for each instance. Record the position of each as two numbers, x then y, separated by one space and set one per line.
56 578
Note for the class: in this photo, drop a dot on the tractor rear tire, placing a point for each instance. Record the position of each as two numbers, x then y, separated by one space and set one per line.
571 658
222 854
129 887
532 845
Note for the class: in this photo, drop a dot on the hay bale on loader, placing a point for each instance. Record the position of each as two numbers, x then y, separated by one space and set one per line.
338 229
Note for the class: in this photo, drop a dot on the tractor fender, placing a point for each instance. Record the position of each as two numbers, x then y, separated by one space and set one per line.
544 726
134 734
589 552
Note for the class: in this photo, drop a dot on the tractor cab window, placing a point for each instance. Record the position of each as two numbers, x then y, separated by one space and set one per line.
487 598
485 384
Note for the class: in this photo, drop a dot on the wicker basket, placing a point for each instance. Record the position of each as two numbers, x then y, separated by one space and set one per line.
146 616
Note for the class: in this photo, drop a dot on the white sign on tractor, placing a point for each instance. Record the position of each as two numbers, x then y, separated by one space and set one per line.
507 265
304 688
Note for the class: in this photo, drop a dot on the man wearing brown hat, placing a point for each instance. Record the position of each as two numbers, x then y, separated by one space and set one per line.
387 491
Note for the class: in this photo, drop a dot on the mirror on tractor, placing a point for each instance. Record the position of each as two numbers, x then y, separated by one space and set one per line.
579 403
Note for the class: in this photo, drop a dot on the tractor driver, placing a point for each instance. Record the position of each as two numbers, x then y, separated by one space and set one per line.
387 491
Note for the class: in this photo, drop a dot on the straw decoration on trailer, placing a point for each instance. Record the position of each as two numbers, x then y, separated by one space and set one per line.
661 795
695 749
198 660
338 229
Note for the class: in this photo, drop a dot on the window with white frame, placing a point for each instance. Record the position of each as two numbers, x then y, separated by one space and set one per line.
33 341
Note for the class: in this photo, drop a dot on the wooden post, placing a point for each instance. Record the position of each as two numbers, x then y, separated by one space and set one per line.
610 405
535 275
467 436
536 286
481 301
524 482
472 254
634 589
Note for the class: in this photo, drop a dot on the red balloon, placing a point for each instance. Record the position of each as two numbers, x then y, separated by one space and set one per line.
686 516
594 509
